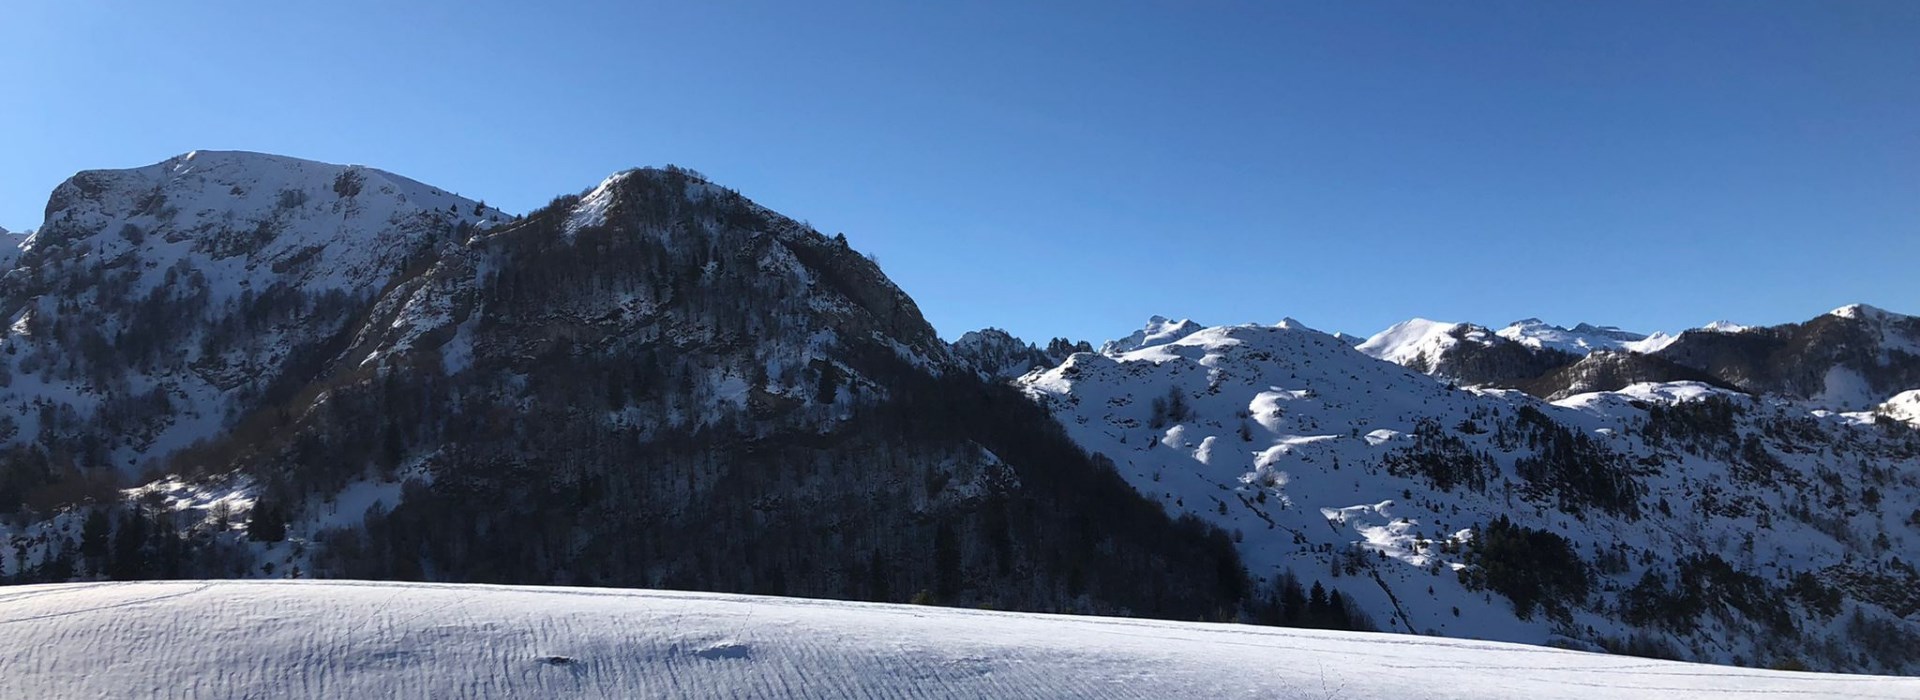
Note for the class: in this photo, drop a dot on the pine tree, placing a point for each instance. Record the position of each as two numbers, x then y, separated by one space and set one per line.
829 384
94 534
129 556
946 561
1293 601
267 523
393 446
1317 606
878 572
1337 617
58 565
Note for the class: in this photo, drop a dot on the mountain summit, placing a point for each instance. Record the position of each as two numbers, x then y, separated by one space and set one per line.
331 370
158 303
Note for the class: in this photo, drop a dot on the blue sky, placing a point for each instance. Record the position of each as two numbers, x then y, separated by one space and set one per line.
1071 168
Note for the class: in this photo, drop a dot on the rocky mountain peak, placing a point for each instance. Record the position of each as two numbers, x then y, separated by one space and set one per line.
1158 331
997 354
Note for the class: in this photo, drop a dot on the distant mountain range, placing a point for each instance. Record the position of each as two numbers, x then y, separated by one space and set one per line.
241 365
1852 358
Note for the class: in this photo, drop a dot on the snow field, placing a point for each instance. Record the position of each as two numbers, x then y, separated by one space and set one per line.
341 639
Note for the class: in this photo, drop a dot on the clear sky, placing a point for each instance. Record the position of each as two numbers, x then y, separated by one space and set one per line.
1061 168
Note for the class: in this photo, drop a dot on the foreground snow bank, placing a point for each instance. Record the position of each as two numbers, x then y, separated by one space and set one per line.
342 639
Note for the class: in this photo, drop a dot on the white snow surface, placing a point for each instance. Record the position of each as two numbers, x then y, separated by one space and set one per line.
1864 311
1583 338
1903 406
1402 341
346 639
1414 340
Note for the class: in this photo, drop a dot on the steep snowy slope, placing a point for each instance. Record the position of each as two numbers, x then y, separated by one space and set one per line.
158 303
1420 343
370 640
1377 481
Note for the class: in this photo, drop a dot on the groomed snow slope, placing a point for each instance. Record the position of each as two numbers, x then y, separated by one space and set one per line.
341 639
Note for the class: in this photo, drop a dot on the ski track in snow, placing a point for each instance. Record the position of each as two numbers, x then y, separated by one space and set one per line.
338 639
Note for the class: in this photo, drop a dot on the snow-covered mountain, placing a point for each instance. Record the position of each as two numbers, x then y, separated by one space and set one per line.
1582 338
1421 343
158 304
1691 520
1849 359
1463 352
656 382
1432 346
350 639
233 365
997 354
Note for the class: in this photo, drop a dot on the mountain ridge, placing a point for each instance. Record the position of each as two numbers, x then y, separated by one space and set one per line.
1810 361
305 369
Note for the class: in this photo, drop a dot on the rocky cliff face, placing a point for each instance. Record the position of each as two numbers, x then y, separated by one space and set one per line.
995 354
